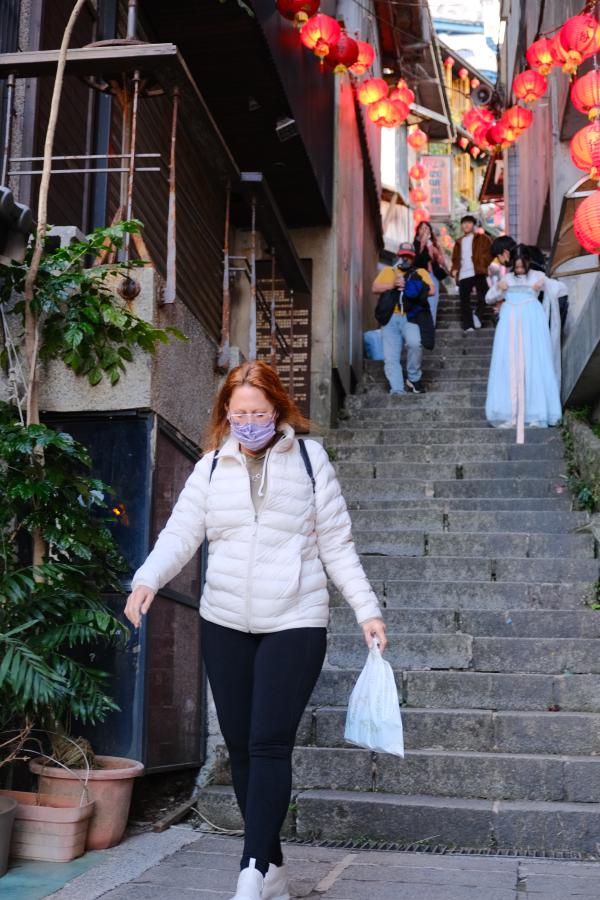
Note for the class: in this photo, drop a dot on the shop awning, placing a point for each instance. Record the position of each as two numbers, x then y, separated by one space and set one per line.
565 246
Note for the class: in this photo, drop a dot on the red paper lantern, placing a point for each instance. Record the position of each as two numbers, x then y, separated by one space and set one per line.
475 151
417 139
342 55
586 223
449 61
475 82
401 108
496 135
298 11
421 215
585 93
529 86
417 172
403 93
518 118
372 90
558 51
463 73
580 36
418 195
320 33
464 142
365 59
585 149
539 56
384 114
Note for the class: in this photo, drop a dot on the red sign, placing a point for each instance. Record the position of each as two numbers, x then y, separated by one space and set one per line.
438 184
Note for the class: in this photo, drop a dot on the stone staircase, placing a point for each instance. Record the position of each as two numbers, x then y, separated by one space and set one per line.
471 544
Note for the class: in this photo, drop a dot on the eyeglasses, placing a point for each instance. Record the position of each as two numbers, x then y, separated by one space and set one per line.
260 418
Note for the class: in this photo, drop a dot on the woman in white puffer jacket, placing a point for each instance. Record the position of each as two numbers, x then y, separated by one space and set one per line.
273 520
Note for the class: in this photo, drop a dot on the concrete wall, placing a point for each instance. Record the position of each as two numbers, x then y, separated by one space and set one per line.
178 383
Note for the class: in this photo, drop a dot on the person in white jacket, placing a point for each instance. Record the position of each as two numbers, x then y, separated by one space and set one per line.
274 523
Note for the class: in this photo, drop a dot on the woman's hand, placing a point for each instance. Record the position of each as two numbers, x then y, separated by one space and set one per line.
375 628
138 604
502 285
539 285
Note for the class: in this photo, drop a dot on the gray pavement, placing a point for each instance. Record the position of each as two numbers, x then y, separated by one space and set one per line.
205 868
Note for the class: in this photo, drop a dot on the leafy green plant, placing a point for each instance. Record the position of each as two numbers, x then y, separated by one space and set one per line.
57 554
83 321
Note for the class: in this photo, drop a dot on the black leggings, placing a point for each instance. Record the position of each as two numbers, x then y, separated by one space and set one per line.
261 684
465 286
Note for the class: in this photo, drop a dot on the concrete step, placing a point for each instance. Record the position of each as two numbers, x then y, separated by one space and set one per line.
455 821
529 546
474 730
429 401
416 415
460 569
402 435
492 595
560 503
482 595
473 488
514 623
464 471
539 655
424 688
444 773
457 522
453 454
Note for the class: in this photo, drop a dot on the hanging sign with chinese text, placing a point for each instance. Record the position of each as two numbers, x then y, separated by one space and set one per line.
438 184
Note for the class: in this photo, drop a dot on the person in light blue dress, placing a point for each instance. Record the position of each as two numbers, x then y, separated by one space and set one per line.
522 386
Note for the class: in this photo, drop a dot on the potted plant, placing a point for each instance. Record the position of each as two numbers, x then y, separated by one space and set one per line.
58 556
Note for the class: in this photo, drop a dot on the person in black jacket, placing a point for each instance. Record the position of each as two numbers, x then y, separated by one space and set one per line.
430 257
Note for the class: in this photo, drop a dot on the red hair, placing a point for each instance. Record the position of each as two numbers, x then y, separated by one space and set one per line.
258 375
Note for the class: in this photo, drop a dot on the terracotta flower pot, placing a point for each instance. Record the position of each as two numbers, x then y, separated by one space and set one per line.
53 829
8 809
109 787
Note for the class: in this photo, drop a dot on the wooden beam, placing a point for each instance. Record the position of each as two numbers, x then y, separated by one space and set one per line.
88 60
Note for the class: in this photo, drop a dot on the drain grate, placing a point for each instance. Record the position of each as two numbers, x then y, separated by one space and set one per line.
439 849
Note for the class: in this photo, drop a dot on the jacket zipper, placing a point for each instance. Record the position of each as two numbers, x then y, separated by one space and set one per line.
252 553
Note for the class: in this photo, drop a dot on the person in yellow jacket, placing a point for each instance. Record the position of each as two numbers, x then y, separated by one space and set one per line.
399 330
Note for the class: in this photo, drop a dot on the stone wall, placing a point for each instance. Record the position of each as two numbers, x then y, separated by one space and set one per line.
586 453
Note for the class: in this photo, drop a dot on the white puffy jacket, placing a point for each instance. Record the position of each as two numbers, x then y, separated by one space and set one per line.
265 572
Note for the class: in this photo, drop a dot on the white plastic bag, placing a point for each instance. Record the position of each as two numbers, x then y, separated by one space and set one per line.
373 720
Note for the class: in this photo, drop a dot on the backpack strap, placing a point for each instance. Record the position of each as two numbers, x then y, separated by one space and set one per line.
213 465
307 462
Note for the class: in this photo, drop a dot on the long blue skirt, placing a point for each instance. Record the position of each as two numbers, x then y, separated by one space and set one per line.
522 386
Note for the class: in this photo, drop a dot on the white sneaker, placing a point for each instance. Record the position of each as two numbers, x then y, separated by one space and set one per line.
250 884
276 884
476 322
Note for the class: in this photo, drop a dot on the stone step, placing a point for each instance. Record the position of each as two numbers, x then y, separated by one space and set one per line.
475 594
459 569
453 454
499 545
428 402
464 471
455 821
473 488
473 730
408 818
444 773
416 415
539 655
402 435
517 623
456 522
561 502
481 595
424 688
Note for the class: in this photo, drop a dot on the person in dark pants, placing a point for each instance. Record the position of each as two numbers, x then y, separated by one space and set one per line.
272 510
471 257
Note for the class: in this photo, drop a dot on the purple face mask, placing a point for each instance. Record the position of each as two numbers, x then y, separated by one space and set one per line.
252 436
